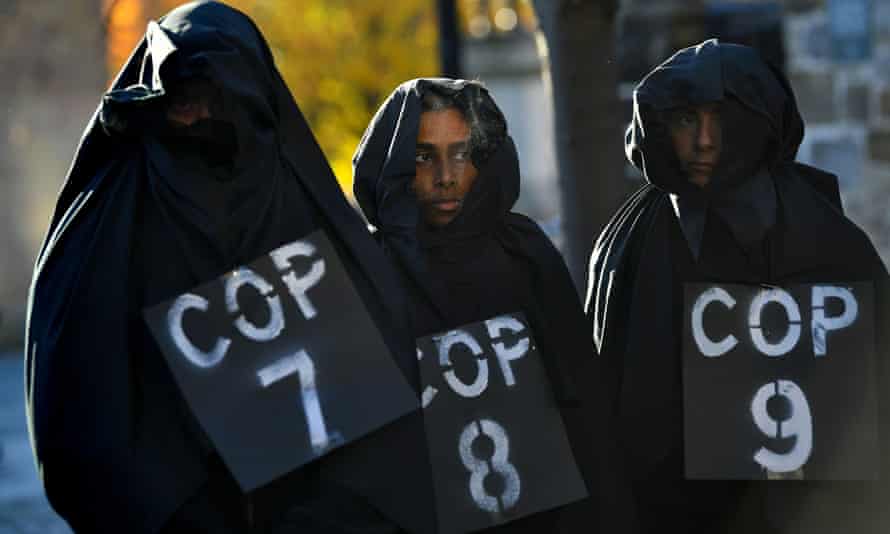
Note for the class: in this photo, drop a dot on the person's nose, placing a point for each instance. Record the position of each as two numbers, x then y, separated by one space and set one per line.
204 111
707 134
447 173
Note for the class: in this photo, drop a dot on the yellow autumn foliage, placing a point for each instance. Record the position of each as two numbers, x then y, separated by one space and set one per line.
340 58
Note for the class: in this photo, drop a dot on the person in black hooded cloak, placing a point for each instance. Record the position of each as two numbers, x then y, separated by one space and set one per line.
715 132
196 161
437 174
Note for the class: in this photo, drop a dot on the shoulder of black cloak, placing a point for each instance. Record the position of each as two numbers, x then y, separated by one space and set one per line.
824 182
97 159
609 271
91 153
89 170
77 389
818 241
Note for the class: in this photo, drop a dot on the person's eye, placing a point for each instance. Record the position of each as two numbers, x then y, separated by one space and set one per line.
462 155
686 119
181 103
183 107
422 157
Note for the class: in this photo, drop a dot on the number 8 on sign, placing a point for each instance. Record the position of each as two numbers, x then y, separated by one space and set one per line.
479 469
799 425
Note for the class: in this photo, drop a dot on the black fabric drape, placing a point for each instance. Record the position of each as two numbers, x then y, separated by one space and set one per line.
646 253
142 217
485 262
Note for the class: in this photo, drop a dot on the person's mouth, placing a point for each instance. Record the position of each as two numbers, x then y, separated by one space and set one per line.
446 204
700 166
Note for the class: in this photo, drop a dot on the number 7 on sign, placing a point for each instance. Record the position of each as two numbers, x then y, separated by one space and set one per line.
302 364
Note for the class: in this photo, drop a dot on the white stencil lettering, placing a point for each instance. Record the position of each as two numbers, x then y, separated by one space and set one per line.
822 325
791 338
461 337
706 346
506 355
298 286
192 353
799 425
478 467
276 316
301 364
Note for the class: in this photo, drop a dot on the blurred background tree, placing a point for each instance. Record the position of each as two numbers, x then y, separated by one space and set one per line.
340 58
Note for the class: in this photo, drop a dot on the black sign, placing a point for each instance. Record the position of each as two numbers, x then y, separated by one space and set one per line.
779 382
280 361
497 442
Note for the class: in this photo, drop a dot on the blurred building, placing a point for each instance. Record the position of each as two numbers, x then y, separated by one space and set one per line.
52 59
499 48
839 65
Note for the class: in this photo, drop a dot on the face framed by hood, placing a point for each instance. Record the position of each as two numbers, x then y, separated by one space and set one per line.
755 99
384 165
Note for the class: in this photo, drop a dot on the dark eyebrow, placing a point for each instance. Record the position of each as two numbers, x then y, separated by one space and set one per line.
460 145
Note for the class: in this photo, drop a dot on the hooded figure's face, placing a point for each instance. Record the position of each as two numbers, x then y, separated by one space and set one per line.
697 136
195 125
763 128
444 172
190 101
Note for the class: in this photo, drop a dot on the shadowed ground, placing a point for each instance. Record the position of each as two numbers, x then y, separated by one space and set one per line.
23 506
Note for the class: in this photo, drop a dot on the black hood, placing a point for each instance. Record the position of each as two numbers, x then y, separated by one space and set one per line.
714 72
762 132
384 169
220 181
383 165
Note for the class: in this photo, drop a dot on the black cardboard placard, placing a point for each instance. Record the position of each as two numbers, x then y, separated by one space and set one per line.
779 382
497 442
280 361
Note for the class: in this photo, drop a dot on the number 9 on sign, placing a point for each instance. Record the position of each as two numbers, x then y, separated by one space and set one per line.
799 425
479 469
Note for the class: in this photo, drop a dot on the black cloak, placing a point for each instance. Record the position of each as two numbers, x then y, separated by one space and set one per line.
489 261
148 212
755 223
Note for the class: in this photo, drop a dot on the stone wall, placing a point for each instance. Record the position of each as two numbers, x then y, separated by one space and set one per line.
846 107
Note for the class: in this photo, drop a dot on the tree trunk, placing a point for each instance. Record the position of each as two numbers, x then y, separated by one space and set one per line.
578 51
